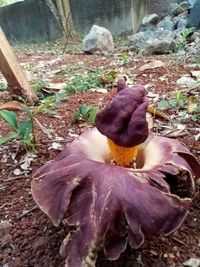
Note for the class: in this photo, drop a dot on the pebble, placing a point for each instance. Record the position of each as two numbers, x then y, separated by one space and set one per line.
5 228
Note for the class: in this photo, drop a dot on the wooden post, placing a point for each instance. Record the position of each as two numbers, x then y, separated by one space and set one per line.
12 71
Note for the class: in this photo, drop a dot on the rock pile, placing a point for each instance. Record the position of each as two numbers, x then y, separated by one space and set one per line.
176 31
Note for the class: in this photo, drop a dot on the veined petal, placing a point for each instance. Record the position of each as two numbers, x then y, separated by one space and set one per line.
105 202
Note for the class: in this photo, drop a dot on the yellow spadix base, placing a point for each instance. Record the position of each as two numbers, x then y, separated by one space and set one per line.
123 156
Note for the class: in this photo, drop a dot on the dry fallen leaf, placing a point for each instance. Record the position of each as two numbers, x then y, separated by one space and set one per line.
154 112
192 104
12 106
152 65
175 133
196 74
149 119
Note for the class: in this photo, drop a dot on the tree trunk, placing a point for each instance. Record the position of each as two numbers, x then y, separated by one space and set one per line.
68 22
62 14
55 13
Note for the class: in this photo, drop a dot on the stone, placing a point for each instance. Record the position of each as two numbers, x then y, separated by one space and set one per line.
193 262
98 40
191 2
161 7
186 81
182 23
153 42
5 228
149 22
182 7
194 18
195 37
167 23
151 19
182 16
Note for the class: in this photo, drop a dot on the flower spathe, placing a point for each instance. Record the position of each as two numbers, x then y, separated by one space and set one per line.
109 205
123 120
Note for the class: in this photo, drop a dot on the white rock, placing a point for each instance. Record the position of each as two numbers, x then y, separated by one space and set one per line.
99 90
99 39
193 262
17 172
186 81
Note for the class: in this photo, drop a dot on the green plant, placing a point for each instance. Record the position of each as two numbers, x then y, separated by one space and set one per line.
125 57
37 86
86 113
82 83
21 130
178 101
186 33
195 108
182 40
3 86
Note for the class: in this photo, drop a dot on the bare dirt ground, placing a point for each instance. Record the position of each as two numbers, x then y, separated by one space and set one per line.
33 241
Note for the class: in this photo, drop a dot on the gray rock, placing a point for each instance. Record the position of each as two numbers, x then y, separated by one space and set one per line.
195 37
153 42
186 81
193 262
194 17
182 23
182 7
176 19
150 20
98 40
167 23
191 2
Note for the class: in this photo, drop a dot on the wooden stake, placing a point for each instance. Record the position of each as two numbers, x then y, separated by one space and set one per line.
12 71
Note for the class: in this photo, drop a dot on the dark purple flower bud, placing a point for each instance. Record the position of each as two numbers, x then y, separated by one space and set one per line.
123 120
121 84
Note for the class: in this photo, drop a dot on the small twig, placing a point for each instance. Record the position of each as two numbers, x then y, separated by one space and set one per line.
179 241
26 212
43 128
13 178
197 193
5 204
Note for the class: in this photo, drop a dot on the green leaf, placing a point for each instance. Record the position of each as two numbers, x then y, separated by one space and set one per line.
163 104
5 139
28 111
10 117
173 102
92 115
83 110
76 117
25 128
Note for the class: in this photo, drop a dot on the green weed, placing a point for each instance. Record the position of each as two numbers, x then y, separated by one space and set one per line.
3 86
82 83
86 113
21 130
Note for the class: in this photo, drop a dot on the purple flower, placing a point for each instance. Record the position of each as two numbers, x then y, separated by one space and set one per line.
124 119
110 206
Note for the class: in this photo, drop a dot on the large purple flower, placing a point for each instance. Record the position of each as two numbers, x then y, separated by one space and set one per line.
108 205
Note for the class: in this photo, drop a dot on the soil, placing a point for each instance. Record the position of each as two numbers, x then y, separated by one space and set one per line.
33 241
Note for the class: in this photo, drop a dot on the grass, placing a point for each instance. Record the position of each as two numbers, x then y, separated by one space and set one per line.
81 83
3 86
